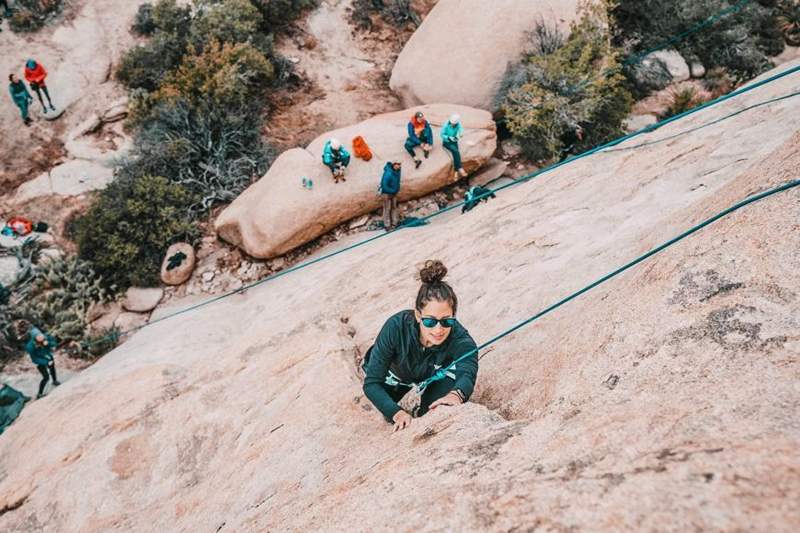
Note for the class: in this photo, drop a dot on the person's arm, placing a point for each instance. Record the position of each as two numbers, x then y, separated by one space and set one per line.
428 133
467 369
327 156
411 133
380 359
459 132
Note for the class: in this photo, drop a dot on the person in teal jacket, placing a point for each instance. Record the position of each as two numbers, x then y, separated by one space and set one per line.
336 158
390 186
40 348
452 132
21 97
413 345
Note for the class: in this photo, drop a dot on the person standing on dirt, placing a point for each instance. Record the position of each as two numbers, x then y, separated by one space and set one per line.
21 97
40 348
416 343
390 186
336 158
452 132
35 74
419 134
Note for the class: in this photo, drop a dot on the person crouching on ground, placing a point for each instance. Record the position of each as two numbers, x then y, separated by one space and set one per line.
336 158
35 75
390 186
452 132
40 348
415 343
419 134
21 97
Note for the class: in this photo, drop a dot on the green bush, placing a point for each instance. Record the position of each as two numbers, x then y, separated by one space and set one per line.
570 100
146 66
126 232
230 22
30 15
398 12
144 24
682 99
739 42
280 12
788 16
171 18
215 154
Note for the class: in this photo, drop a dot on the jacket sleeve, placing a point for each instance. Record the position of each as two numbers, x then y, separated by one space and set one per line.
459 131
467 369
428 133
327 156
380 359
411 133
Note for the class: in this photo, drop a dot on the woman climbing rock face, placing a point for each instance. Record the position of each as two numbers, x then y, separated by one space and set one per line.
413 345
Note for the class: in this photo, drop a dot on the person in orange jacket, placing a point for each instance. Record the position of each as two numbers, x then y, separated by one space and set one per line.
35 75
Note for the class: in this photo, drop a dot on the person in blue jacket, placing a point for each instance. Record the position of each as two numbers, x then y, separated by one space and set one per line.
40 348
414 344
452 132
21 97
390 186
419 134
336 158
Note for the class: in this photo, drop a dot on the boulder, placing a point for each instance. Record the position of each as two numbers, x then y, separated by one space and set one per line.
69 179
456 56
697 69
674 62
104 317
489 174
9 269
182 272
142 300
90 125
637 122
277 214
129 321
116 111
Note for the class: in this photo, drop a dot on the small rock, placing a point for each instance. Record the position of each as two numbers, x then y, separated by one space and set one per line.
511 148
697 69
293 60
359 222
278 263
9 269
637 122
208 276
611 381
48 255
129 321
86 127
182 272
142 300
673 61
102 317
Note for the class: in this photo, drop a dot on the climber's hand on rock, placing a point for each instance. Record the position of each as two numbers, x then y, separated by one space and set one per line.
451 398
401 420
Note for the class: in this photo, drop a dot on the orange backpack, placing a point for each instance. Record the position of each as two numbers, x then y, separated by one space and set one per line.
361 149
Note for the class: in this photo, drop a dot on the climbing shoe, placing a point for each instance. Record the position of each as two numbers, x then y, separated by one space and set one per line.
417 163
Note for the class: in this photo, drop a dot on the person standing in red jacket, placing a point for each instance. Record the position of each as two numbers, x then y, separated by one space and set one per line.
35 75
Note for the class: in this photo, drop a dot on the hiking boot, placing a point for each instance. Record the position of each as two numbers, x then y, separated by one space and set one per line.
417 163
28 121
56 383
52 107
427 153
44 110
40 396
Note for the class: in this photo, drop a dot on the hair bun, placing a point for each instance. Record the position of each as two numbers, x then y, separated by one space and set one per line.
433 271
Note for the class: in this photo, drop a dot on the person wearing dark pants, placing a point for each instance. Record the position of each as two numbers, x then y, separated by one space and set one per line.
452 132
40 348
336 158
35 75
419 134
413 345
21 97
390 186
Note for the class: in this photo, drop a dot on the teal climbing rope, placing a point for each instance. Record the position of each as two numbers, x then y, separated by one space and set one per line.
441 373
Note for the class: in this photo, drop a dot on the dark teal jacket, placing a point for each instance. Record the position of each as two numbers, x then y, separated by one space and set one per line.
40 355
425 137
19 93
390 182
398 349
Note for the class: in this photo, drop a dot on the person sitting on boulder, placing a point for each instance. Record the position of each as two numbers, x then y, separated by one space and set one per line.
40 347
419 134
21 97
452 132
390 186
336 158
35 74
414 344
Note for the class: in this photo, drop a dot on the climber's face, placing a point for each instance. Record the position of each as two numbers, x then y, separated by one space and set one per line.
439 330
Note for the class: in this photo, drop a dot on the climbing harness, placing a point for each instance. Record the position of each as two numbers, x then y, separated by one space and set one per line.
393 381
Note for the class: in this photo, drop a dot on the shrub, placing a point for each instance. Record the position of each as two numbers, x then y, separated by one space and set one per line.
571 99
280 12
788 16
683 99
546 38
30 15
171 18
398 12
739 42
126 232
144 24
146 66
231 76
230 22
215 153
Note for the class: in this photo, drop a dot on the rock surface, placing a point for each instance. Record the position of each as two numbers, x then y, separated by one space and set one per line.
674 62
69 179
664 399
456 56
182 272
276 214
141 299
